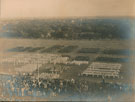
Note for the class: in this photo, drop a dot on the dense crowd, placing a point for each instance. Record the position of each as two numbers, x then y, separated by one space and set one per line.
30 86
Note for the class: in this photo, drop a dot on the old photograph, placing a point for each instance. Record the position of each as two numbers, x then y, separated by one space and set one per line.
67 50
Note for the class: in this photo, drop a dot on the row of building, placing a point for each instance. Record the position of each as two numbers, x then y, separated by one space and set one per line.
103 69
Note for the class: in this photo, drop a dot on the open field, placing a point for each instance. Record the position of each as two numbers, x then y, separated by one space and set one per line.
47 65
95 50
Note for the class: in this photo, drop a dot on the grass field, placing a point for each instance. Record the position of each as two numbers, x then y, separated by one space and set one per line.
72 48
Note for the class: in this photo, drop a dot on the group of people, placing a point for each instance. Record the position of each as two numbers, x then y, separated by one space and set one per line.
29 86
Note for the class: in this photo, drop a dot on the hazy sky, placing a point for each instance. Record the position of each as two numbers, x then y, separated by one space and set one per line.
65 8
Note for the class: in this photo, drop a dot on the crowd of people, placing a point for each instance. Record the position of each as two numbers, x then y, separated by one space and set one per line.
30 86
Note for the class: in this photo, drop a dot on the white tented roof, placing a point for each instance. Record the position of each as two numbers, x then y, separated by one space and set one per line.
103 69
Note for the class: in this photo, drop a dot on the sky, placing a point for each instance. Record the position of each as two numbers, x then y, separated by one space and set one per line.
66 8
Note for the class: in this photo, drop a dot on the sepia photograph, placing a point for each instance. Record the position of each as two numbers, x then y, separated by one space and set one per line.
67 50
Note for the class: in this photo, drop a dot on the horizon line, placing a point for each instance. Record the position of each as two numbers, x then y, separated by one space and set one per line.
65 17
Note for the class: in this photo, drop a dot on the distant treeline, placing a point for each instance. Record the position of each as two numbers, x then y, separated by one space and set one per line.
79 28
